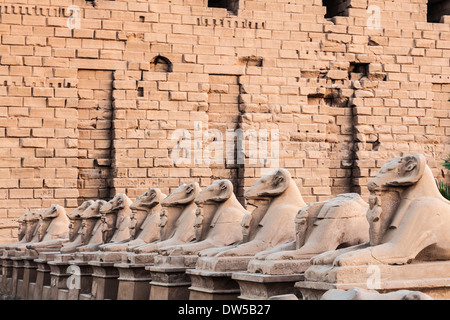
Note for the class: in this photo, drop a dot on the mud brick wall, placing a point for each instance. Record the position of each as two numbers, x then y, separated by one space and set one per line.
89 109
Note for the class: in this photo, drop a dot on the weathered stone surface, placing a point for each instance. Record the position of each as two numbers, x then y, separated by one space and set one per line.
364 294
407 248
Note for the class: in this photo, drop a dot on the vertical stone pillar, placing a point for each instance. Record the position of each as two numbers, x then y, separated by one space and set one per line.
29 277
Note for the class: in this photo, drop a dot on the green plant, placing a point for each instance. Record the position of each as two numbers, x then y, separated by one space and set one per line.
446 162
444 189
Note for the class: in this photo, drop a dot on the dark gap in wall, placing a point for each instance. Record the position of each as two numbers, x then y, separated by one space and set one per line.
436 9
140 92
336 8
230 5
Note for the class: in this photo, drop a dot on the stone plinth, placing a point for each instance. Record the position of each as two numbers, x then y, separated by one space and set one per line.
17 277
278 267
134 282
270 277
64 277
111 256
79 264
29 277
42 287
169 278
105 281
42 279
64 257
254 286
211 278
82 283
144 258
1 274
169 283
84 256
211 285
7 268
431 278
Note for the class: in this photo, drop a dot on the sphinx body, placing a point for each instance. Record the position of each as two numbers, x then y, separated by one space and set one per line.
27 230
320 227
143 227
53 230
409 243
408 217
81 230
177 217
75 225
91 230
277 225
270 224
119 209
144 221
27 233
218 220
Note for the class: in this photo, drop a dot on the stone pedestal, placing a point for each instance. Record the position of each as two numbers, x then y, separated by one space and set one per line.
43 276
58 280
134 282
266 278
29 277
42 279
1 274
211 278
17 277
169 283
431 278
84 256
210 285
109 256
169 278
61 276
144 258
256 286
83 284
105 281
7 268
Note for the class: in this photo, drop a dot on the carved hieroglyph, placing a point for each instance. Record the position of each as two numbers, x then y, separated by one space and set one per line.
320 227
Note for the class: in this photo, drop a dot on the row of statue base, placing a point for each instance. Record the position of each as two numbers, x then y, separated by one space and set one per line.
37 279
40 279
204 245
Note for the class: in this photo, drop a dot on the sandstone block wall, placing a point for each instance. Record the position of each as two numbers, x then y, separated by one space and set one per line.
90 99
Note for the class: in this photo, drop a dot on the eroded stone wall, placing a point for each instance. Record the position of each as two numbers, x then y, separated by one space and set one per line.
346 93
